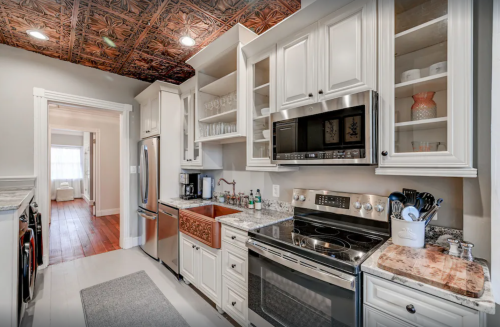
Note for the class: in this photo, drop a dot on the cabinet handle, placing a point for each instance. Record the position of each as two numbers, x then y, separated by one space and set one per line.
385 153
197 248
320 92
194 246
411 309
310 95
233 266
233 237
233 303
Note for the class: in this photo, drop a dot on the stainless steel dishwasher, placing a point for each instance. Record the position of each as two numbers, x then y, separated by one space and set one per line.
168 237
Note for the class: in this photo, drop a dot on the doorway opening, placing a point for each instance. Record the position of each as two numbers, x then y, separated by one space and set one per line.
84 187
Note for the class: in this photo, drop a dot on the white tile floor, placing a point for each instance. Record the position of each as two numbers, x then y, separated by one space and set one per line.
57 301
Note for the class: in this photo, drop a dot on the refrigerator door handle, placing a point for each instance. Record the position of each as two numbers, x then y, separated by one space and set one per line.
146 191
141 174
145 216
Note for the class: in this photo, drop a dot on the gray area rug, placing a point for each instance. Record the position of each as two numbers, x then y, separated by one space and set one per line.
132 300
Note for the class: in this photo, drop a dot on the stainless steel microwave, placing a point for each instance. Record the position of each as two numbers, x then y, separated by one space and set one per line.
341 131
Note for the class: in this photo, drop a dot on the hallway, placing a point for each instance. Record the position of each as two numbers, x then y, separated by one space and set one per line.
76 233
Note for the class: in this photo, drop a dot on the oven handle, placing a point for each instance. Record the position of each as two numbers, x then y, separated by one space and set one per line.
346 282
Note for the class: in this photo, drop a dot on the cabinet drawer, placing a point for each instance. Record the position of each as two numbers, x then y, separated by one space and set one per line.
375 318
235 301
235 236
235 263
429 311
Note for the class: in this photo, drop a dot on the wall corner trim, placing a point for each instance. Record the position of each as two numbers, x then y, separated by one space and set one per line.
39 92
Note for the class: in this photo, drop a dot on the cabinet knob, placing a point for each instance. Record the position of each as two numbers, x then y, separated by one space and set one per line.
310 95
410 308
320 92
385 153
233 266
197 248
194 246
233 237
233 303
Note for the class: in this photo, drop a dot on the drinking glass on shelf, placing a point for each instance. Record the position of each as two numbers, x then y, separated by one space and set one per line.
216 106
223 103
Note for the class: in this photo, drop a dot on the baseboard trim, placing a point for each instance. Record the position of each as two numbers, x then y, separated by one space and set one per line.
86 199
108 212
130 242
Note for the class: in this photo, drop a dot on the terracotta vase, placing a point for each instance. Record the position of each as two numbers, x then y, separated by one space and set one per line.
424 107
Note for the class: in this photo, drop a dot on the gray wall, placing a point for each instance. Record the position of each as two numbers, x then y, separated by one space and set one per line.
346 178
63 139
22 70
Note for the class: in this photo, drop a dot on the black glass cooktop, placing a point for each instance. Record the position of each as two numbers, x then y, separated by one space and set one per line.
336 247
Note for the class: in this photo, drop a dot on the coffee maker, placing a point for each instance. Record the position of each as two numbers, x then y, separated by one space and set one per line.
191 186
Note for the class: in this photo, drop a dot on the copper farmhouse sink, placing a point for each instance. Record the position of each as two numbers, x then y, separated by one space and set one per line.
199 223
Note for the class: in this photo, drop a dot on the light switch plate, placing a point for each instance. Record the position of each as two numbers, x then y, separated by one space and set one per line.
133 169
276 191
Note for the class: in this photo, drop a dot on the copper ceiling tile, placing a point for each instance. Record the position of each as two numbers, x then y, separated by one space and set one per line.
144 34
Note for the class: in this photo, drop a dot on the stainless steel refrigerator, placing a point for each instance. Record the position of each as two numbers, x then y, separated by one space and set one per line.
149 162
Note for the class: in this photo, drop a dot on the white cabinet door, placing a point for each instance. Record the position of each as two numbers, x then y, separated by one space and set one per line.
209 274
188 259
375 318
347 50
145 118
154 125
296 61
235 301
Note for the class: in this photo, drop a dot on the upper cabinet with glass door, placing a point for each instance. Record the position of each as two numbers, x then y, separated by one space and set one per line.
425 88
261 99
220 109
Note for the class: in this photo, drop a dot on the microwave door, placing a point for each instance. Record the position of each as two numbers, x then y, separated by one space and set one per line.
286 138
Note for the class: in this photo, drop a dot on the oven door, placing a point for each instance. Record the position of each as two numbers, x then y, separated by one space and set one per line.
285 291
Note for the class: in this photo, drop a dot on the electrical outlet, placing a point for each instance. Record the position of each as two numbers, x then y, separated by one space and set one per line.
133 169
276 191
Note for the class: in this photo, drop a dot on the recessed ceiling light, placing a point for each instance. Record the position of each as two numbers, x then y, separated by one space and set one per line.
37 34
187 41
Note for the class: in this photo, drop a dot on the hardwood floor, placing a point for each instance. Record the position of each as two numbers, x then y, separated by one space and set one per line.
76 233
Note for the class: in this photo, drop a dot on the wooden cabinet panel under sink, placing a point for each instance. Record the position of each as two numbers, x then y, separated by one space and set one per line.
200 223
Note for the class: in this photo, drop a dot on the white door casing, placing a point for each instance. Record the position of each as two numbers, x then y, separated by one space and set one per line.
42 98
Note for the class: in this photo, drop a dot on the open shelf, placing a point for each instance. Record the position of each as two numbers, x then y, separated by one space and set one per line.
261 141
262 89
434 83
225 117
422 36
222 86
423 124
260 117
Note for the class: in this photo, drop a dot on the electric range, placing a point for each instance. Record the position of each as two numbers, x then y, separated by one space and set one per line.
306 271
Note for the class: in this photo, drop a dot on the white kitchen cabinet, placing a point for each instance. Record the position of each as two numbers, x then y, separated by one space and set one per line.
261 95
375 318
150 117
201 265
235 301
347 43
220 106
297 69
414 308
195 155
442 143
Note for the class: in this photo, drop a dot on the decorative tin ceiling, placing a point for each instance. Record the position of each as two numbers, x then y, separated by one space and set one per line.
134 38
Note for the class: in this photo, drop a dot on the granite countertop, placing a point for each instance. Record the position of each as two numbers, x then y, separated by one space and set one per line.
12 199
485 303
247 219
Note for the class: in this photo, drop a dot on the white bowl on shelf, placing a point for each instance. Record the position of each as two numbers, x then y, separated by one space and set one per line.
438 68
264 112
410 75
266 134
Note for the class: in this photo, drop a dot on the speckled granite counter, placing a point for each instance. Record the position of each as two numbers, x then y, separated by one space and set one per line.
486 303
247 219
14 198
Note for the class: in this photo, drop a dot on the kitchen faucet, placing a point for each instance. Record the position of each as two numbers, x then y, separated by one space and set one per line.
233 196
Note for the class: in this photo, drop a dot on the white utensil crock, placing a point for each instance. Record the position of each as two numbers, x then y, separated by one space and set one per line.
408 233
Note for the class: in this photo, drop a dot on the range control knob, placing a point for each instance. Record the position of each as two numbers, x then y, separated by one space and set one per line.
367 206
357 205
295 197
379 208
302 198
